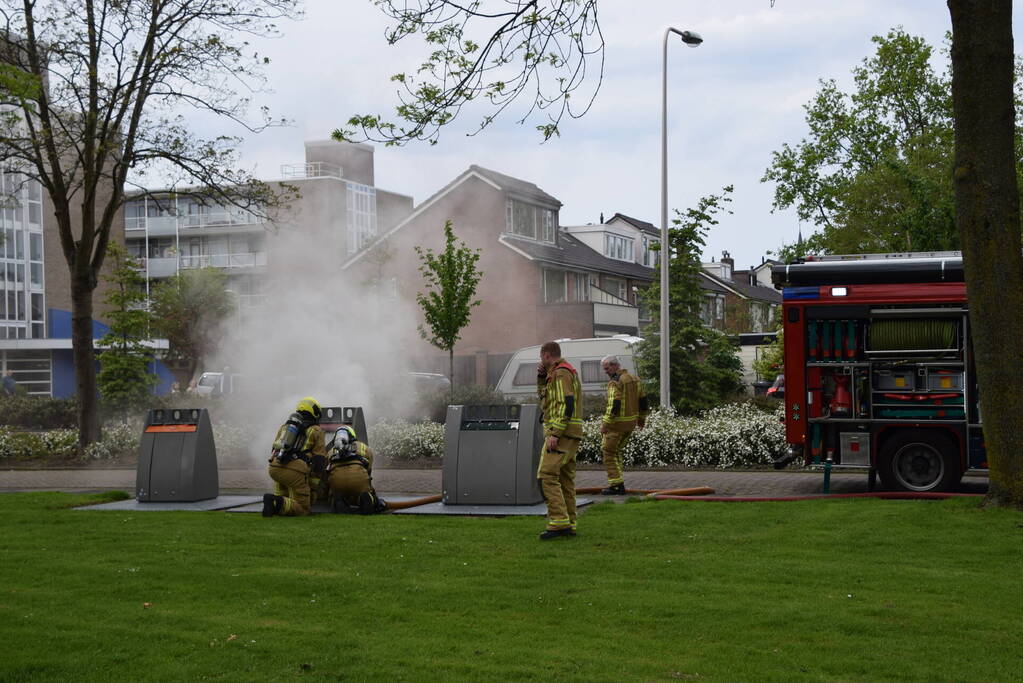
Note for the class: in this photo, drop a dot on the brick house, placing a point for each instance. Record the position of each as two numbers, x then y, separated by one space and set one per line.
540 281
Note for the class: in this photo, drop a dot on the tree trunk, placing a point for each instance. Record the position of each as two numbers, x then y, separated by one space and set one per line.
84 357
451 373
988 220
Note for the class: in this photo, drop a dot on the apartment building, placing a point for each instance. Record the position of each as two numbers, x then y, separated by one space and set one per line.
338 210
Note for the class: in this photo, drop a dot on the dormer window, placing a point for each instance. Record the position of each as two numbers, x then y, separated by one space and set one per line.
618 247
528 220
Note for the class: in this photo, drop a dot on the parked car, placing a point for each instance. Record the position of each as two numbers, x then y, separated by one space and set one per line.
219 383
427 382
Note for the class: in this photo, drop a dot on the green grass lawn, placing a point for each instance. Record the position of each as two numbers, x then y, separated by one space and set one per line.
816 590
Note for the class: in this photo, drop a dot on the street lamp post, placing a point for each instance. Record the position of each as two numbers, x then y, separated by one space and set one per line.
691 39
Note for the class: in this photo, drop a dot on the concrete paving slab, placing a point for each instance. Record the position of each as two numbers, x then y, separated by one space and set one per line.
218 503
483 510
318 509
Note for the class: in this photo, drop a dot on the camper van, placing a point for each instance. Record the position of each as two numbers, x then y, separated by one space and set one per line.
519 376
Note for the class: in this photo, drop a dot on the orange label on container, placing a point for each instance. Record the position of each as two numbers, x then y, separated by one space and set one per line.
171 428
900 381
946 382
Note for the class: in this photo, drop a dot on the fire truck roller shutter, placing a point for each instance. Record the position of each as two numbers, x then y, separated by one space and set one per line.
920 460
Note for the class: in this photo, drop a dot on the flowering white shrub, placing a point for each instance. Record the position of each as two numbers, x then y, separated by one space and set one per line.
733 435
401 440
120 440
60 443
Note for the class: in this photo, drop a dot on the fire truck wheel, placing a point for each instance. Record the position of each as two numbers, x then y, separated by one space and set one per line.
920 460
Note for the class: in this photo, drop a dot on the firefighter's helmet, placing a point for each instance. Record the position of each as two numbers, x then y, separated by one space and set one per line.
309 405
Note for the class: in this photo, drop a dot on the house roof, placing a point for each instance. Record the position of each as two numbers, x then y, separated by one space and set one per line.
649 228
745 290
522 188
498 181
573 253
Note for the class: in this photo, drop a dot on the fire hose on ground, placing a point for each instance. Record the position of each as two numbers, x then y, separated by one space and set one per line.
705 493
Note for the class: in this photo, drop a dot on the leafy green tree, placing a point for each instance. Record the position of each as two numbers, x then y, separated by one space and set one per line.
95 89
772 361
124 377
192 310
451 279
874 174
705 366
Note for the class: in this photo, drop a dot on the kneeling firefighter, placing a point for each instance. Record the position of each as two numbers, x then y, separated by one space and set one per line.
298 449
349 475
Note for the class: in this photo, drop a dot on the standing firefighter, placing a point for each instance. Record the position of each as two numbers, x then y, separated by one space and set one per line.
298 450
561 399
350 475
626 410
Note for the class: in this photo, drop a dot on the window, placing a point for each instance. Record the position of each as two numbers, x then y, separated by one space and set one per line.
523 220
362 216
554 287
618 247
590 371
562 286
527 220
526 375
614 286
649 254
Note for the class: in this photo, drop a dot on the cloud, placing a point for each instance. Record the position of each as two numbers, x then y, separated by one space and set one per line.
732 101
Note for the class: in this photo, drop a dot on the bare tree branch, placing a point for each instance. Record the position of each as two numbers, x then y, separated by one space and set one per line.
536 48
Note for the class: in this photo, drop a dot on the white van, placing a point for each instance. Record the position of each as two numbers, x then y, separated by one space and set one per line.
519 376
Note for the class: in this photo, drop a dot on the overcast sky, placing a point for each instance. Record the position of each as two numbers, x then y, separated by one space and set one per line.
732 101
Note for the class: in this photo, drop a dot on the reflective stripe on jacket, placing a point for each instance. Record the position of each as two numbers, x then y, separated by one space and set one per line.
562 384
624 397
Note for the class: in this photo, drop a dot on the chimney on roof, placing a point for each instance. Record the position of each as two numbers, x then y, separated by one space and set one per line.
729 265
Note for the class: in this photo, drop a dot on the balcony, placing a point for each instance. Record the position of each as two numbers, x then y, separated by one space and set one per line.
156 226
315 169
243 260
161 267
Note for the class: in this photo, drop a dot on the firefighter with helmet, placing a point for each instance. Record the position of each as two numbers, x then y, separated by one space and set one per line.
298 449
350 475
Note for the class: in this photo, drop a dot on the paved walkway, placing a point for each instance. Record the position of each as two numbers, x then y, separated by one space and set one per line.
428 481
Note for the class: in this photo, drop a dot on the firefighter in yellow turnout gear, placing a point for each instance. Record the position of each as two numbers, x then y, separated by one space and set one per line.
299 448
350 475
627 410
561 401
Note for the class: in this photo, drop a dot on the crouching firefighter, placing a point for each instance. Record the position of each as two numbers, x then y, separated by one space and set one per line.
350 475
298 450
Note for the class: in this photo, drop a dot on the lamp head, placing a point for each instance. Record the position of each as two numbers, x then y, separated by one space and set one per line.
691 38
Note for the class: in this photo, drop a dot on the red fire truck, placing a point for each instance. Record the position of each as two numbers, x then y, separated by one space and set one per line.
879 374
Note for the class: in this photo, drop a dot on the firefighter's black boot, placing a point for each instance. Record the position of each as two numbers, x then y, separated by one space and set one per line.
550 534
367 504
272 505
614 490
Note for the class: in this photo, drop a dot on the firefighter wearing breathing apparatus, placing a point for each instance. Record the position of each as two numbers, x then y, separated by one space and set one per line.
626 411
298 450
560 392
350 475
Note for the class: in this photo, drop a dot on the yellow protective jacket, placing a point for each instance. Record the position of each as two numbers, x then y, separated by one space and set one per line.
626 403
561 399
361 451
315 443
